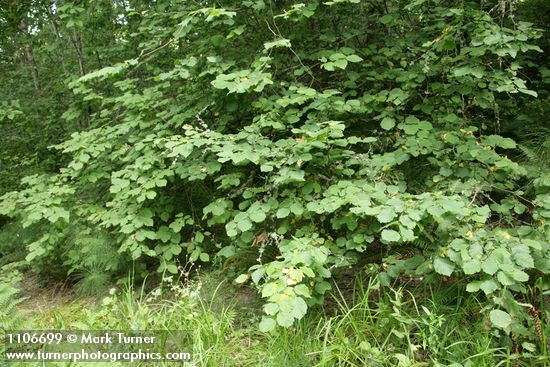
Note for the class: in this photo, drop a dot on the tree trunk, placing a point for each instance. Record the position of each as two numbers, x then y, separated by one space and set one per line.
77 42
29 55
58 37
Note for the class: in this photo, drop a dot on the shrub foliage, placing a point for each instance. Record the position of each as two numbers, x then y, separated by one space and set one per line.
329 133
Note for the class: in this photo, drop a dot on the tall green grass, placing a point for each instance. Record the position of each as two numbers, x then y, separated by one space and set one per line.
365 326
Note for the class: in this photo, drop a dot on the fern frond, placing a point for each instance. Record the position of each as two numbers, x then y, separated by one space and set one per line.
10 317
527 152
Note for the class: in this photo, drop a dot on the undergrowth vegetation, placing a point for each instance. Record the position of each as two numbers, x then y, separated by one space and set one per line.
291 145
365 325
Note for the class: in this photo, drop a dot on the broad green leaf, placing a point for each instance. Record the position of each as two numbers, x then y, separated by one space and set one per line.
283 42
443 266
299 308
342 63
257 216
269 289
282 213
491 264
204 257
471 266
244 225
285 319
500 319
387 123
227 251
267 324
390 235
386 215
354 58
242 278
271 309
297 208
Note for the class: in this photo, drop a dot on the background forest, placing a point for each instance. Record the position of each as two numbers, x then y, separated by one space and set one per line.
337 183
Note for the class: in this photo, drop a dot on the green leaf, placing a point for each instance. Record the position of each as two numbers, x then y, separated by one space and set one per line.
500 319
387 123
322 287
271 308
299 308
267 324
529 92
269 289
342 63
242 278
386 215
244 225
204 257
171 268
491 264
297 208
505 278
354 58
266 168
518 275
105 72
227 251
230 230
282 213
489 286
285 319
473 286
386 19
257 216
389 235
477 72
496 140
302 290
443 266
283 42
257 275
471 266
522 257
